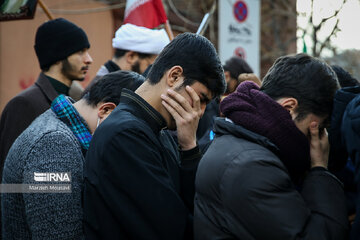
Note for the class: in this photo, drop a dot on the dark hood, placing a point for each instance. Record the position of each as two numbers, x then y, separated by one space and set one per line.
338 153
255 111
350 130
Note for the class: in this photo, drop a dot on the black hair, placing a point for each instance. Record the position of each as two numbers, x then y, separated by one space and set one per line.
344 77
198 59
108 88
120 53
309 80
236 66
45 68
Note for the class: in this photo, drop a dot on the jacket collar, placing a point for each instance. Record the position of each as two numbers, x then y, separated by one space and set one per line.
224 126
111 66
45 86
136 105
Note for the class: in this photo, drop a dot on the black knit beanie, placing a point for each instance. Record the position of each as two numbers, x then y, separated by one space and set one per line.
57 39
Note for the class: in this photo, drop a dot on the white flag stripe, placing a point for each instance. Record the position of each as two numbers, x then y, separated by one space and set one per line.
131 5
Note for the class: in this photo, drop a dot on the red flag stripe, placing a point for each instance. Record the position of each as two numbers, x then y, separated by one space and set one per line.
146 13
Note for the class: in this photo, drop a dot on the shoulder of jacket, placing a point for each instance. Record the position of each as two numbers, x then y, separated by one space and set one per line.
21 98
242 153
47 124
255 163
40 137
56 138
29 97
128 123
242 147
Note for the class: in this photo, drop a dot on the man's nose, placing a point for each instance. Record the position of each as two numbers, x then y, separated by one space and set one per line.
88 59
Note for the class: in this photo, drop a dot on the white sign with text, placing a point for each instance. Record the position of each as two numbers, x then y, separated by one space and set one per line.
239 31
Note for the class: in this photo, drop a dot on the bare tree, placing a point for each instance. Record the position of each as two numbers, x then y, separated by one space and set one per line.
314 29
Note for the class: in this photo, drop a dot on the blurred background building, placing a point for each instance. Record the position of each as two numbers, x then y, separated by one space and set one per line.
286 26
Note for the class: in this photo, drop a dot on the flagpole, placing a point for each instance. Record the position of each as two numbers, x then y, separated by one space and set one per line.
46 10
206 19
168 30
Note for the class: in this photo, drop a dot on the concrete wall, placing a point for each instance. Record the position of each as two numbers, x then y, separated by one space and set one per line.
19 67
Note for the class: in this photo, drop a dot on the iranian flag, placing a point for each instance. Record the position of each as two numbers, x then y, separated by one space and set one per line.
145 13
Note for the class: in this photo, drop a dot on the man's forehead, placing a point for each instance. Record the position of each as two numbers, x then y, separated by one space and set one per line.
202 90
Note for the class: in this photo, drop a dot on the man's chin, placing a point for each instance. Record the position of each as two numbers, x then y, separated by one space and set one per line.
78 78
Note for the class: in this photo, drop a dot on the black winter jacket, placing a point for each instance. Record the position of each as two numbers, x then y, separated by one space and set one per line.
340 126
244 191
350 136
137 185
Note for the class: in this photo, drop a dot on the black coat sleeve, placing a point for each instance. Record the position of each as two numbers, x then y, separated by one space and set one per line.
16 117
261 198
189 161
323 194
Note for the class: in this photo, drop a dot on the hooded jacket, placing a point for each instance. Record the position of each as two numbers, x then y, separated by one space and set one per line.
350 136
338 136
244 183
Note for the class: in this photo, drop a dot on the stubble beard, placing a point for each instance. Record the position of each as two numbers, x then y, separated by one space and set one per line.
68 71
136 67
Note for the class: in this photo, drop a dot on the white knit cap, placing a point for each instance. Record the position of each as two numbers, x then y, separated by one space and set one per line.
140 39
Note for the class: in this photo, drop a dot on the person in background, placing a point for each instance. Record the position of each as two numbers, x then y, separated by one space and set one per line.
270 137
56 142
344 137
233 67
62 49
249 77
350 88
135 49
236 70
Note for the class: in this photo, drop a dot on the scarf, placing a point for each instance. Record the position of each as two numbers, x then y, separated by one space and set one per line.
67 113
257 112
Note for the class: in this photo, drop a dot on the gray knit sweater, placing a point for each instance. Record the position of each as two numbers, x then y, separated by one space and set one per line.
47 145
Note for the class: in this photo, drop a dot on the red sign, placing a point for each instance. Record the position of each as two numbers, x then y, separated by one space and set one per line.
240 11
240 52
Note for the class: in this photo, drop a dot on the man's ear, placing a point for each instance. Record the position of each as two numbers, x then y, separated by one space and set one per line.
227 75
105 109
131 57
174 75
289 104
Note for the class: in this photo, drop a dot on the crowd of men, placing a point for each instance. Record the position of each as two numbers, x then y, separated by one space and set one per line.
168 143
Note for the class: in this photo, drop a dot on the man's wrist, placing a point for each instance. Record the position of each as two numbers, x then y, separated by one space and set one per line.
318 165
186 147
190 158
